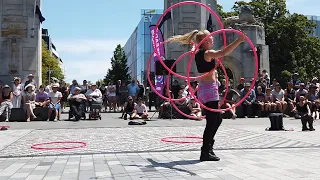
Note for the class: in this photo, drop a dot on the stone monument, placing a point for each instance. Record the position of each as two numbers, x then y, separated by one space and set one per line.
20 40
186 18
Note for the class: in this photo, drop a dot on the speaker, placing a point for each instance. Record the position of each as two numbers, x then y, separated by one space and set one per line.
160 70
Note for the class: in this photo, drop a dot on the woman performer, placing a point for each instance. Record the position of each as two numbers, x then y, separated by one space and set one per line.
208 87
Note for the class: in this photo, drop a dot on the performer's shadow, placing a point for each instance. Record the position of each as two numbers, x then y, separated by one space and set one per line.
169 165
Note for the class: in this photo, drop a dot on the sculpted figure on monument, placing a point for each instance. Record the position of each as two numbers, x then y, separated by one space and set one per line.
14 63
245 18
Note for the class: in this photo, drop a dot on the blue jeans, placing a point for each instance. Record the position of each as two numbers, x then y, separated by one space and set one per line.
56 107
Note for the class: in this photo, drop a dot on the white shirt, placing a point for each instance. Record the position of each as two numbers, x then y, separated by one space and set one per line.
96 92
140 109
55 96
112 93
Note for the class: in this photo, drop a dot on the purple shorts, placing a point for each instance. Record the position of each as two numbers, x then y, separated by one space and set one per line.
208 91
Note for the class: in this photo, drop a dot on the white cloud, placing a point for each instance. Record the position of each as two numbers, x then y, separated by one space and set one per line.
86 58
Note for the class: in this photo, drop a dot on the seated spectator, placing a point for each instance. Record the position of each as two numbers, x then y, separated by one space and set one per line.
140 110
278 97
54 97
94 96
312 98
195 108
128 108
289 96
260 99
301 92
6 102
302 109
230 101
269 104
249 101
76 102
42 98
29 99
182 95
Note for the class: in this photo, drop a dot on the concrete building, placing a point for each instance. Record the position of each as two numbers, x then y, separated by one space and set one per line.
20 40
315 19
138 48
51 47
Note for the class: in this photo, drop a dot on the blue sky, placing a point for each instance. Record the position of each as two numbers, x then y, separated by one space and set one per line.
86 34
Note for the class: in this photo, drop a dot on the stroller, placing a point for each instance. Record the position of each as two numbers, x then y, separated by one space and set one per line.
95 108
82 107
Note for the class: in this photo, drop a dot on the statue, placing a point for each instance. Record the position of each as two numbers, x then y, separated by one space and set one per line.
245 18
14 63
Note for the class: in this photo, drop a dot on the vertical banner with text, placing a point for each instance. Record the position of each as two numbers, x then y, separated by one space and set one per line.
159 79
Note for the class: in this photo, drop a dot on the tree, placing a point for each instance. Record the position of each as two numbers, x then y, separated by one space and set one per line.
50 63
119 68
291 49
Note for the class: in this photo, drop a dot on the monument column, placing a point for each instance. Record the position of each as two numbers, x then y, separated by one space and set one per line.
186 18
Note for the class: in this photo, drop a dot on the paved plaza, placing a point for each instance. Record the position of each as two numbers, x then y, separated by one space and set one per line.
115 150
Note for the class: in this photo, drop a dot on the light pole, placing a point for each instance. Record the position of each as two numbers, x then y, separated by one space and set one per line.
49 74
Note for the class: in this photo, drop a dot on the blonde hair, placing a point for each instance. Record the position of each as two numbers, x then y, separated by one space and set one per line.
187 38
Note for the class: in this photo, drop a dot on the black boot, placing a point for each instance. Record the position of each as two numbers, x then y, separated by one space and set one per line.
310 122
206 155
304 124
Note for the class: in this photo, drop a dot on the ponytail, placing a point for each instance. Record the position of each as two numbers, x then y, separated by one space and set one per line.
184 39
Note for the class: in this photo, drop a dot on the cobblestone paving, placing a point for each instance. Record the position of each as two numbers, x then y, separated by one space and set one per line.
148 139
276 164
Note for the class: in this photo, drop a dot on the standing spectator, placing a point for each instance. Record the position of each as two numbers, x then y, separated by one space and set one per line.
141 90
248 104
124 93
133 89
49 87
55 97
241 85
266 76
30 81
274 84
278 97
112 96
17 93
84 87
73 86
65 93
152 96
104 91
6 101
295 81
118 85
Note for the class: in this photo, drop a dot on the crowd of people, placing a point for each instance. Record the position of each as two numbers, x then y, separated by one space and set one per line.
132 98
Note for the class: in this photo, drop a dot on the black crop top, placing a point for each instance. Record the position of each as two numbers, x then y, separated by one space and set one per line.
202 65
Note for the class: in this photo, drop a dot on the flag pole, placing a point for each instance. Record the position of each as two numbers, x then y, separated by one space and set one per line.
34 18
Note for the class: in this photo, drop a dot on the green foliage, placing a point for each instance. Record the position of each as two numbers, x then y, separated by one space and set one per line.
50 63
119 69
291 49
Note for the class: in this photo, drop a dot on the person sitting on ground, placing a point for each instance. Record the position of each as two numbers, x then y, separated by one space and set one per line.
231 99
55 97
270 106
182 94
302 109
29 99
6 101
76 101
42 98
140 110
128 108
195 108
